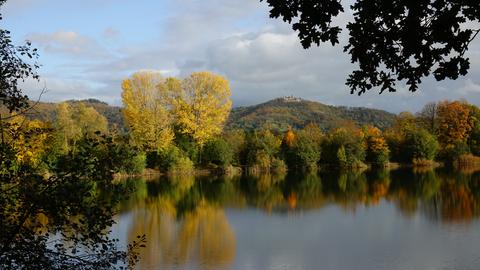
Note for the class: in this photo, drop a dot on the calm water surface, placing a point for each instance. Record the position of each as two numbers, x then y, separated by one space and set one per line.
400 219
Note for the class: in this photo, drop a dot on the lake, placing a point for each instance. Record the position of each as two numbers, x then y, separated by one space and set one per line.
378 219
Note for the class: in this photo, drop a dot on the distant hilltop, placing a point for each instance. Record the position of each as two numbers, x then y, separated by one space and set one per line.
278 114
289 111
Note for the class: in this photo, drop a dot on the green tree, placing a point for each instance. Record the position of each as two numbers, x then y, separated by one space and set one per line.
261 148
344 146
304 151
174 160
128 158
187 145
314 132
236 141
16 66
217 151
420 145
35 206
395 136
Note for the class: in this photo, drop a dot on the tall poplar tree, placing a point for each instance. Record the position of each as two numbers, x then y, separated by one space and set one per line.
201 105
147 111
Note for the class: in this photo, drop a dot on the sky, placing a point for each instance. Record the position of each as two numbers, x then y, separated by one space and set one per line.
88 47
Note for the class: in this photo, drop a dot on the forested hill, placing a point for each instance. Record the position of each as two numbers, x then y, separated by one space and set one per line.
278 113
283 112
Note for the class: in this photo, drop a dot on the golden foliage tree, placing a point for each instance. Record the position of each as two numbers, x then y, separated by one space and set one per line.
201 104
146 111
455 122
377 147
29 139
76 120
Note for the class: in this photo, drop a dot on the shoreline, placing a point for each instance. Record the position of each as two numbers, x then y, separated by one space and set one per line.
234 171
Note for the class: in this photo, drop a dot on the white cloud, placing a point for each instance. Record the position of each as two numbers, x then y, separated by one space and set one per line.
269 64
470 87
60 89
69 43
268 57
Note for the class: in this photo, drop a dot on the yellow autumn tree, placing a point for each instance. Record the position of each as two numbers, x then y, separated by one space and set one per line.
455 122
201 104
29 138
75 121
377 147
146 111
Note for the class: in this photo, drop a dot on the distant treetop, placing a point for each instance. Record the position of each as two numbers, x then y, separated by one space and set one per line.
89 100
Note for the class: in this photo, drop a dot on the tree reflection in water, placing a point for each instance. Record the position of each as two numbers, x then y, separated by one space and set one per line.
185 222
182 226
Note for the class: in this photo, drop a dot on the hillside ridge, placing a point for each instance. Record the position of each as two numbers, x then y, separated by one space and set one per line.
278 114
289 111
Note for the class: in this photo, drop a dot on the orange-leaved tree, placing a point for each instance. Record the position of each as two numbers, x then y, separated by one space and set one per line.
455 123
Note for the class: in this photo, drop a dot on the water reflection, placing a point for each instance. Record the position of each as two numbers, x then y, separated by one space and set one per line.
202 235
441 195
187 225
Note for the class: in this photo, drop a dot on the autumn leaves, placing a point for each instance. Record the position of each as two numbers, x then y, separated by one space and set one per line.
157 107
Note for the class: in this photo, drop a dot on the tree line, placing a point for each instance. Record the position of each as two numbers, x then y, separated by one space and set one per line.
176 125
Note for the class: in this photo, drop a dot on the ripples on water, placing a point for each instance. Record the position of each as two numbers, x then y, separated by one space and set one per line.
401 219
